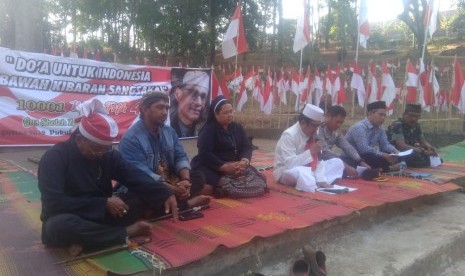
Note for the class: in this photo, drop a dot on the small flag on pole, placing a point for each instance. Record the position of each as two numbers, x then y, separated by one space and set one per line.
363 26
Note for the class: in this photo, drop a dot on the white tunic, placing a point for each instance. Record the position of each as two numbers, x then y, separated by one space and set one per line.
292 161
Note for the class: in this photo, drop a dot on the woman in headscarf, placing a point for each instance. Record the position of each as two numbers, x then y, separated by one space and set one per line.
223 145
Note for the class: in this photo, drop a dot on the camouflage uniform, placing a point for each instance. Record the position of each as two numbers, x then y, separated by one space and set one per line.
413 136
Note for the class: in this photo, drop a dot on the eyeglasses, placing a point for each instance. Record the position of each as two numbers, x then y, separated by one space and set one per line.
195 94
313 124
96 149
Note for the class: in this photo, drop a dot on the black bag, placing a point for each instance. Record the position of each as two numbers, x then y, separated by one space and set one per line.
251 184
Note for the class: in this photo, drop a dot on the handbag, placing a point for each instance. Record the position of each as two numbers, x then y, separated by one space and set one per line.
251 184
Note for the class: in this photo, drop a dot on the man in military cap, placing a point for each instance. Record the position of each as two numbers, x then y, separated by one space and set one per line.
405 133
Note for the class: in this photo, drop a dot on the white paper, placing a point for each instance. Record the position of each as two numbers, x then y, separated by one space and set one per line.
435 161
360 170
335 186
403 153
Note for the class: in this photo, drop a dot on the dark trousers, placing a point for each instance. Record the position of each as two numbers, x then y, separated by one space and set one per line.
375 161
64 230
418 160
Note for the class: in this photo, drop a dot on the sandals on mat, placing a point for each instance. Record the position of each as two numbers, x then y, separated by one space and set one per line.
373 175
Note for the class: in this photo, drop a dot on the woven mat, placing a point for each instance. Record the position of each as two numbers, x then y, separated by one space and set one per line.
21 250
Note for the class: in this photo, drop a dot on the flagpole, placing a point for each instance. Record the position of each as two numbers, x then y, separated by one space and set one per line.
300 73
235 61
358 33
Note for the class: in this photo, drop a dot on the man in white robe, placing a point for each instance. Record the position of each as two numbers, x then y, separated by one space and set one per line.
297 153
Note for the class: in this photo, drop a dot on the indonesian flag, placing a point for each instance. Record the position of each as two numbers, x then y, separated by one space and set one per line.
305 87
431 89
247 82
317 87
372 84
411 83
267 95
302 33
389 89
423 79
235 79
430 18
257 89
295 82
363 26
283 87
234 42
219 88
458 87
357 83
338 89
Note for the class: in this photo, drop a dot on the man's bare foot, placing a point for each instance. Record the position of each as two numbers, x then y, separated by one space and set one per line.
140 228
394 167
74 250
198 201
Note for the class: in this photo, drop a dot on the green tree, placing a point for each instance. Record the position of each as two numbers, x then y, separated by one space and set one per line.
413 15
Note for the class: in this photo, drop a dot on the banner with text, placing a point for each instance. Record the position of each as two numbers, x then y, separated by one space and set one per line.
39 94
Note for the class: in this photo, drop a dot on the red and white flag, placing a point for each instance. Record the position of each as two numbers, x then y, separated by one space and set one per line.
267 94
338 89
389 89
372 84
219 88
302 32
411 83
363 25
234 42
246 83
431 89
458 87
283 87
305 87
357 83
430 18
235 80
317 87
422 82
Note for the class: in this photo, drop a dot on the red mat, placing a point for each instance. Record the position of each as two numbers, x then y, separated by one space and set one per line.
369 193
232 223
444 173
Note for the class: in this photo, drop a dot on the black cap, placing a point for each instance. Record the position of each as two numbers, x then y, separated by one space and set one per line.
415 108
376 105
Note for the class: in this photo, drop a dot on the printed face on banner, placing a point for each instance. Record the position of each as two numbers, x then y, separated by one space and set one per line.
189 99
40 95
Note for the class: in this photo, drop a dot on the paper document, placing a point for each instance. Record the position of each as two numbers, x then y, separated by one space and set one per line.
336 189
435 161
403 153
360 170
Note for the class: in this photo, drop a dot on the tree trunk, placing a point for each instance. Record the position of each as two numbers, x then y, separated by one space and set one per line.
212 32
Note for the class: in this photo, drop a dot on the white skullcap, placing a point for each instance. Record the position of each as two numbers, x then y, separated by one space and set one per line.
313 112
199 78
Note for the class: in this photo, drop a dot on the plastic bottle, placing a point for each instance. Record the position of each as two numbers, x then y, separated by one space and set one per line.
403 168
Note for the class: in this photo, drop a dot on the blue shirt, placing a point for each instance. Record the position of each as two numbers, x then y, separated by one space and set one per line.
367 138
142 149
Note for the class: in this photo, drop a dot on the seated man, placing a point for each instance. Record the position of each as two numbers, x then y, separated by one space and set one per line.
297 155
329 135
154 147
369 139
405 134
79 210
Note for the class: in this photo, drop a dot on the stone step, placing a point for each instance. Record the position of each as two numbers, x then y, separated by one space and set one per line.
428 239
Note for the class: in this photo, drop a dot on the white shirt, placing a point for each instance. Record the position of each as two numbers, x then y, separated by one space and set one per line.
290 152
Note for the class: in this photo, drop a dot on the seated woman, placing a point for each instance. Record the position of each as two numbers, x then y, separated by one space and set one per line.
223 146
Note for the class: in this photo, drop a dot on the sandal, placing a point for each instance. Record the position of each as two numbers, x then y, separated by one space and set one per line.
300 267
370 174
316 260
380 179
